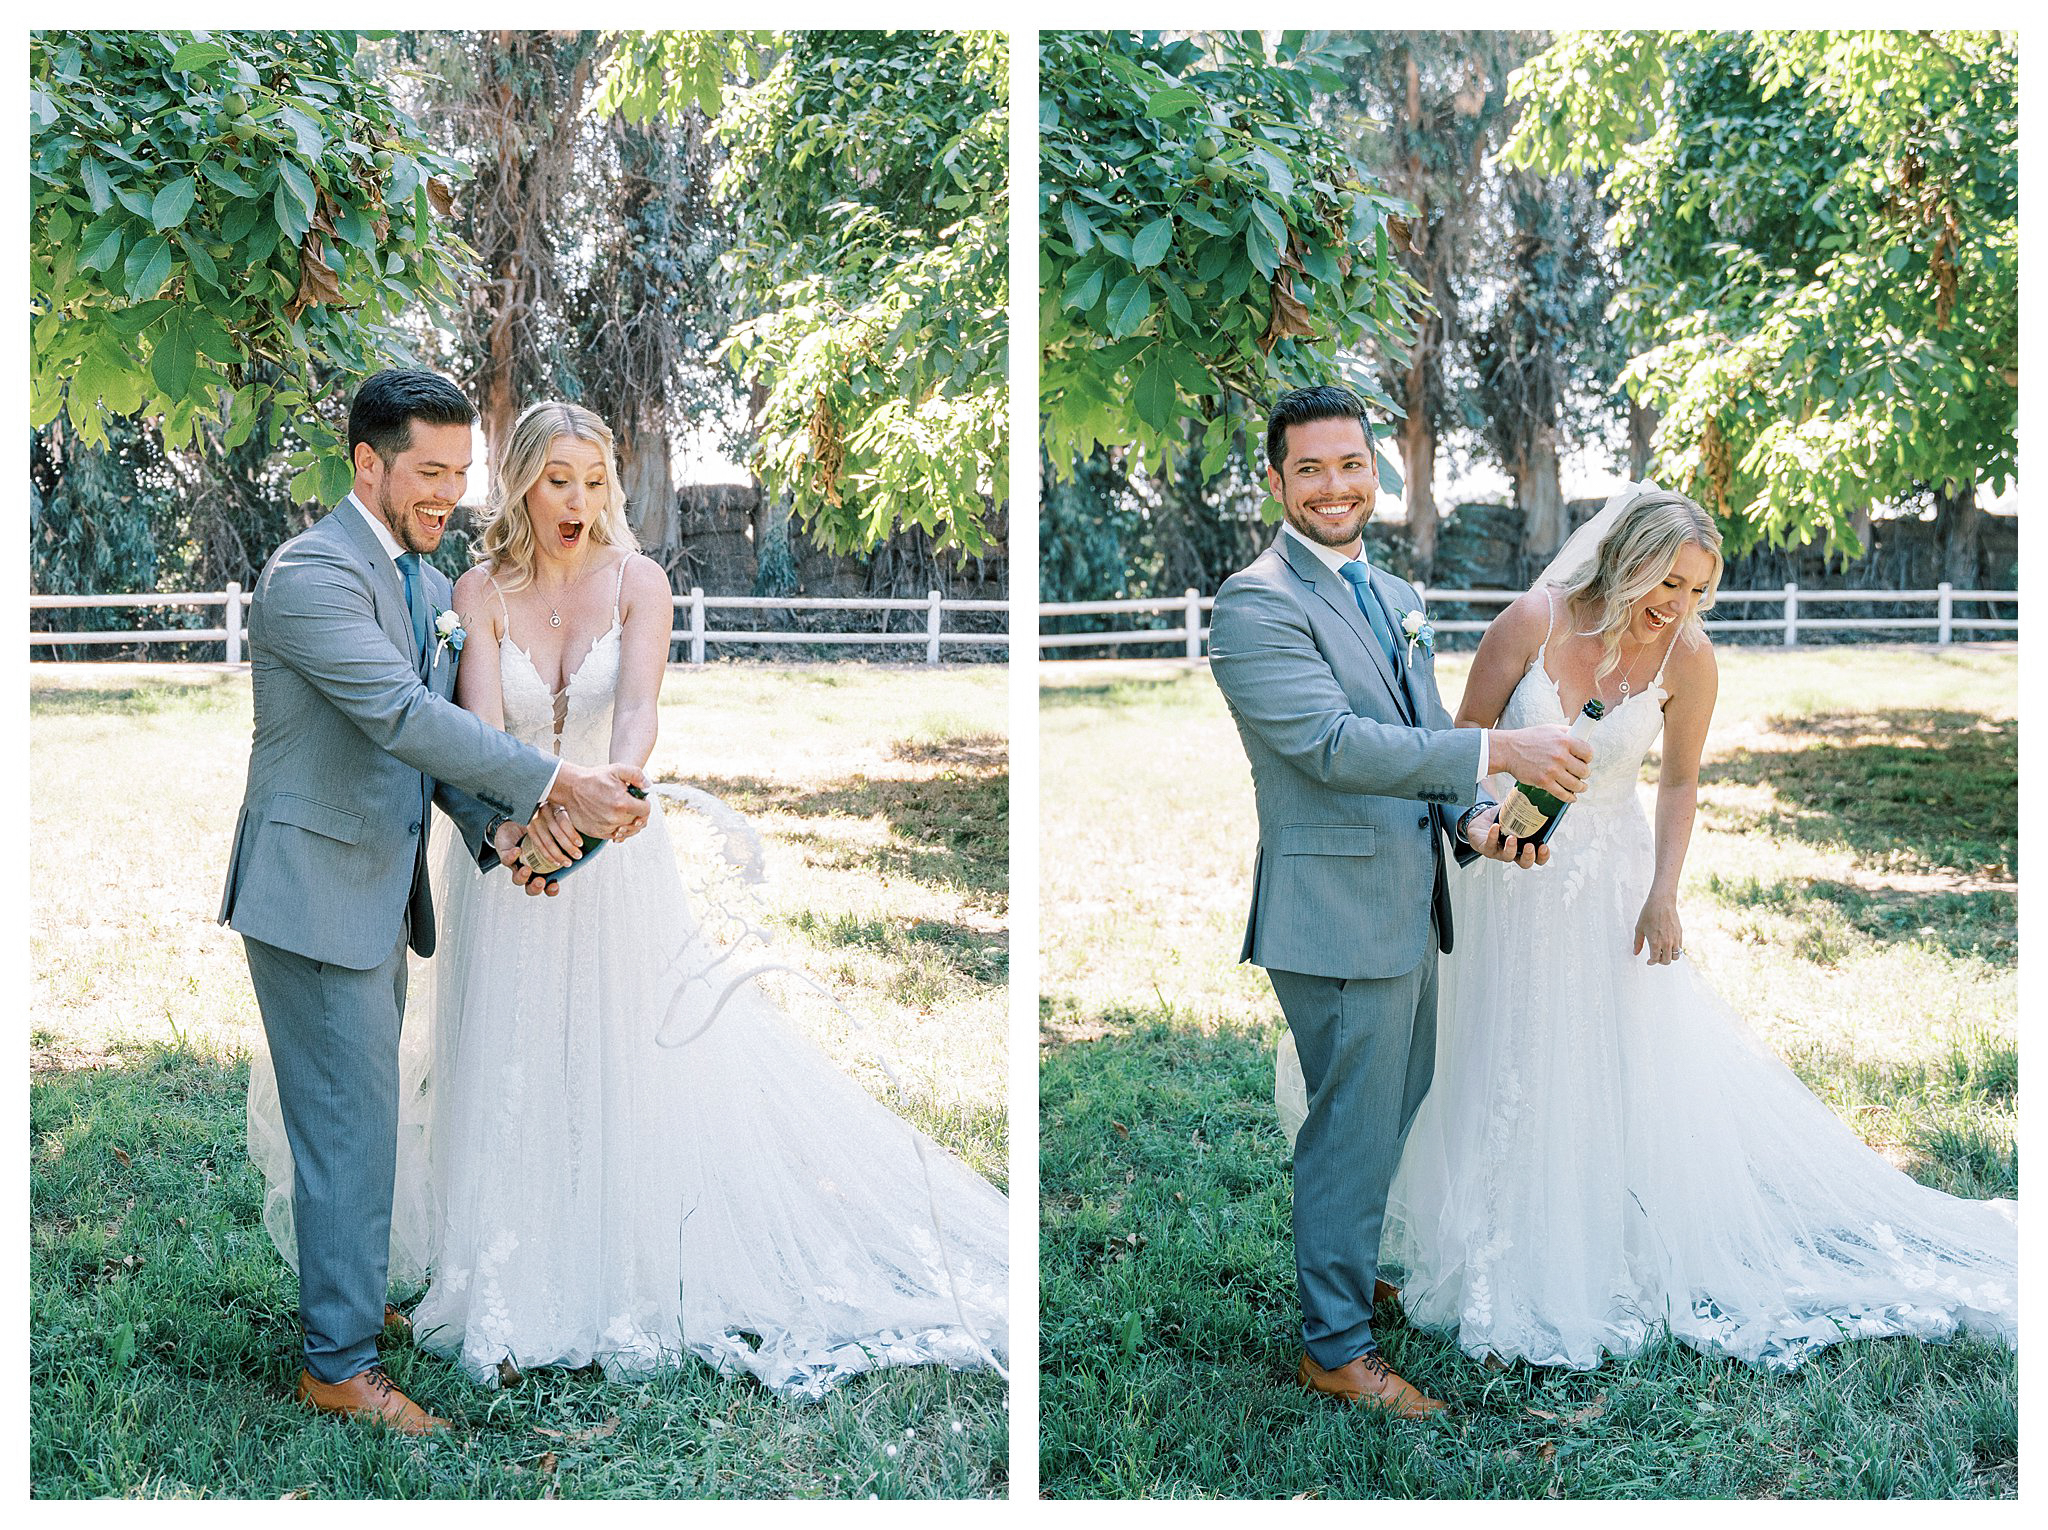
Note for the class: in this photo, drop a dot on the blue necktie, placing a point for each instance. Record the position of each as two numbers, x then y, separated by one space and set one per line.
416 607
1358 575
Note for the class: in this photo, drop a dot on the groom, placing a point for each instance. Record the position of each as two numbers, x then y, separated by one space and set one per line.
355 735
1328 669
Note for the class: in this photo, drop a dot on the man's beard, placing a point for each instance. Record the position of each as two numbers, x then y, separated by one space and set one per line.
1319 531
400 525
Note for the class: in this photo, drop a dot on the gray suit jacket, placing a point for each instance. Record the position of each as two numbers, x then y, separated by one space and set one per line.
350 745
1342 748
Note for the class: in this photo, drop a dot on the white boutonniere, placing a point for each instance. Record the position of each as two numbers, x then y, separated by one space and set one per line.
449 633
1417 626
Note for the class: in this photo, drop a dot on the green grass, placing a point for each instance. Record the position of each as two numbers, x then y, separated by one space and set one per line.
164 1332
1851 889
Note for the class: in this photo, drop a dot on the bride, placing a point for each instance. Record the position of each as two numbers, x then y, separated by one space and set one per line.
1607 1149
614 1146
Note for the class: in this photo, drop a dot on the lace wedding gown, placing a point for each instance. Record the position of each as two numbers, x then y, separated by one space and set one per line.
1608 1148
590 1172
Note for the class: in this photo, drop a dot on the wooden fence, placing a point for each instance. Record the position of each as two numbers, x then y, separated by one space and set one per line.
1188 633
693 630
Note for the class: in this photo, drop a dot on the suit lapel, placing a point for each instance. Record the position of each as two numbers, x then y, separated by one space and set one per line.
1336 594
387 585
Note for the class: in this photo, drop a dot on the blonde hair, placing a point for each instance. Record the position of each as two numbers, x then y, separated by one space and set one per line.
504 540
1635 557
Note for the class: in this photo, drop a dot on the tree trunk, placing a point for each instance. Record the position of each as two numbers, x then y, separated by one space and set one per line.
1642 430
1961 526
1418 472
650 489
1540 497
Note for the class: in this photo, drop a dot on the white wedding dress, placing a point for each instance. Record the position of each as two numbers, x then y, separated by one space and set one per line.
1607 1148
590 1172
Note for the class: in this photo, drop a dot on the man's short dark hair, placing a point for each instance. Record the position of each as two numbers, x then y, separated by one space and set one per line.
386 405
1298 406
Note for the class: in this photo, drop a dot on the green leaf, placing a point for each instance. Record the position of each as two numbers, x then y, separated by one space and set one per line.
236 222
170 364
1259 245
1080 227
173 203
102 250
147 268
1152 243
1172 101
300 184
1082 290
226 179
197 55
99 186
1130 302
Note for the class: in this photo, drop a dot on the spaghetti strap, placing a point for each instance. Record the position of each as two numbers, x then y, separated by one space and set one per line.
1550 605
502 607
619 589
1659 679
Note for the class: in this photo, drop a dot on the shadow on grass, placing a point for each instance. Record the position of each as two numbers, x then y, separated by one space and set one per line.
1830 918
951 828
164 1342
1904 790
1169 1334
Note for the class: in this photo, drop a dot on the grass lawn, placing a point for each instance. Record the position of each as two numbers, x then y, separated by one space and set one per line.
164 1329
1851 889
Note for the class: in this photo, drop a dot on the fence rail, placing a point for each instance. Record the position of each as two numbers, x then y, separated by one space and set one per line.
1189 632
692 628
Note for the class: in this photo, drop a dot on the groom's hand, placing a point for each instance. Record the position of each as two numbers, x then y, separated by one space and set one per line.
1547 756
1483 833
597 799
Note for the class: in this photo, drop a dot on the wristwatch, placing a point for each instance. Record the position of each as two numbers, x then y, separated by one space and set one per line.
492 825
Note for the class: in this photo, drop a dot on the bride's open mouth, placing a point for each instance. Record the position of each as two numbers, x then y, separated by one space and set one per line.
569 532
1656 621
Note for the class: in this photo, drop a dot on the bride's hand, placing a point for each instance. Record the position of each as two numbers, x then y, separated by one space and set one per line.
551 840
1483 833
1658 929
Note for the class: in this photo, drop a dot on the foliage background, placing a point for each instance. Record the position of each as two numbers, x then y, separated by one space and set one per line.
1779 269
230 230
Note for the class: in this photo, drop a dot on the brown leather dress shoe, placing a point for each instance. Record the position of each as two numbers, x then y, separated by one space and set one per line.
368 1394
1368 1380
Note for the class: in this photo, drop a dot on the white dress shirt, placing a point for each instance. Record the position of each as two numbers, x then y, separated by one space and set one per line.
1336 560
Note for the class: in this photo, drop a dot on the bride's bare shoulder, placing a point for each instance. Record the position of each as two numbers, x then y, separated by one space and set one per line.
1523 622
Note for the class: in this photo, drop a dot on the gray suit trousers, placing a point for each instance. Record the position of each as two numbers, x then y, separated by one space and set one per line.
334 1042
1368 1050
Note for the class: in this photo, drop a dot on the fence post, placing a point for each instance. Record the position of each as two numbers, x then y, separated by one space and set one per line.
696 625
234 622
1791 616
933 616
1194 623
1947 613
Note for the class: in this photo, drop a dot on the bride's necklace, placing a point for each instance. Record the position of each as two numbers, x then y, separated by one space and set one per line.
1630 670
554 614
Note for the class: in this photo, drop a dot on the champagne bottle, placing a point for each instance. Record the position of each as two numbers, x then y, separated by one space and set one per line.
547 870
1531 813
